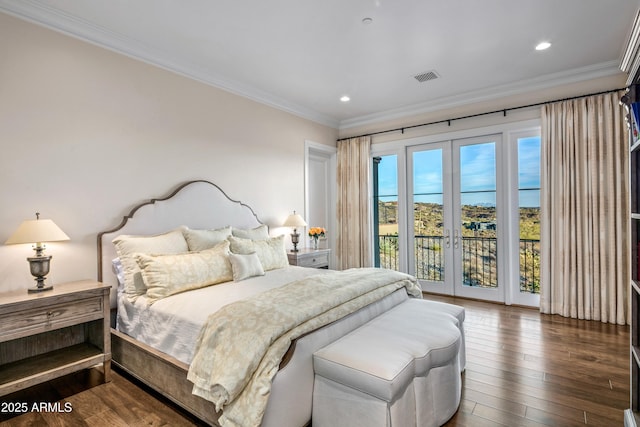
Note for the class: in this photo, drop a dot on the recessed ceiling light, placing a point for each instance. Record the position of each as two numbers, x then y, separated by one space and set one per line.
345 98
367 21
543 46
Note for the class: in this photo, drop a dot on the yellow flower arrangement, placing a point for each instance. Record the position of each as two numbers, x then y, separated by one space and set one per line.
316 232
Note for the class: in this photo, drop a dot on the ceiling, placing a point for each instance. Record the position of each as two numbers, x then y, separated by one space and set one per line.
302 56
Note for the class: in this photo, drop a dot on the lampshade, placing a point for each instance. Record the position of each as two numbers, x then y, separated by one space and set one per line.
295 220
37 231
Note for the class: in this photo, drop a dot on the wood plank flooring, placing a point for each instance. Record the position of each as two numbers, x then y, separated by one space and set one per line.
529 369
523 369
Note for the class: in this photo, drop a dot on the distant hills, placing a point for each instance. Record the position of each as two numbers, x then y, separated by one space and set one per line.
478 220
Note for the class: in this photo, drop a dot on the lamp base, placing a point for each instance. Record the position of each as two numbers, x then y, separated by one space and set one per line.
295 239
39 266
36 288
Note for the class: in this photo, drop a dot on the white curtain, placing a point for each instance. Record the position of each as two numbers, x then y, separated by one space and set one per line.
354 207
585 257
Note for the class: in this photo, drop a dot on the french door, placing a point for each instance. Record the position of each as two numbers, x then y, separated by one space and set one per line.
454 189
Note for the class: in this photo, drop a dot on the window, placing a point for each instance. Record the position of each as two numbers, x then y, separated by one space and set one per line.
529 212
461 211
385 194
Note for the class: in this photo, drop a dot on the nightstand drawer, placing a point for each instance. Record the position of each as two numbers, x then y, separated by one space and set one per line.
314 261
45 318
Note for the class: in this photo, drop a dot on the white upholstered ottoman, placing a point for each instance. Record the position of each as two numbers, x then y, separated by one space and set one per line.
400 369
458 312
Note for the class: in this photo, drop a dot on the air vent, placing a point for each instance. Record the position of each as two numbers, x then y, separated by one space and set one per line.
426 76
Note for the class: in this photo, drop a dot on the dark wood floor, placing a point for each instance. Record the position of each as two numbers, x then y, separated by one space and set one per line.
528 369
523 369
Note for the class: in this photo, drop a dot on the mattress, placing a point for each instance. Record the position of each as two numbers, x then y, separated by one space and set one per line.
172 325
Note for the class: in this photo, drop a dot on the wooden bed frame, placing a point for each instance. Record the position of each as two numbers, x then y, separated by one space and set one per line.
214 209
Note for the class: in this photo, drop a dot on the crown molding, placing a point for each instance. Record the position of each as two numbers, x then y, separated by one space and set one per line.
487 94
57 20
54 19
630 62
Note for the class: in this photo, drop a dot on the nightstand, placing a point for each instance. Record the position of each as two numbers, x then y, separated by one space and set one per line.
314 258
53 333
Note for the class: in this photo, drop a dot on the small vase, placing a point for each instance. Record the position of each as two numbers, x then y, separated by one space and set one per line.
315 243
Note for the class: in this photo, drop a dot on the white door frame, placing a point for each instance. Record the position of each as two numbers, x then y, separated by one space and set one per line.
445 287
490 294
327 155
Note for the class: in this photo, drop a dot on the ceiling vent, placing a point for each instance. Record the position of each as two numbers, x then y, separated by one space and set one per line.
426 76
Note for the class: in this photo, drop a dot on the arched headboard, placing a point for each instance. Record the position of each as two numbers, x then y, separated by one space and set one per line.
196 204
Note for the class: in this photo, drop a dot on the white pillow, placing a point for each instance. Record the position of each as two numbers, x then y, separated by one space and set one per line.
166 275
245 266
261 232
116 267
199 240
127 247
271 252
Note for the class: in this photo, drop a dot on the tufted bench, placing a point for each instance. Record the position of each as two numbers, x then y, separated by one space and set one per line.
402 368
457 312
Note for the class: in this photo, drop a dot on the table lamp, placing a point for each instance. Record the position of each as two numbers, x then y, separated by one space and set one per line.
37 231
294 220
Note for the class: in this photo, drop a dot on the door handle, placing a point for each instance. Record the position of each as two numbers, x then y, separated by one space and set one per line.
447 238
456 239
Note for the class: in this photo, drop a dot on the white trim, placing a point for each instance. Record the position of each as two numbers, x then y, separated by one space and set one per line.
489 294
630 62
400 144
401 160
312 148
514 296
447 286
57 20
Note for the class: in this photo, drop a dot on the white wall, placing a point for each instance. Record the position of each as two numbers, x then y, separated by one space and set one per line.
86 133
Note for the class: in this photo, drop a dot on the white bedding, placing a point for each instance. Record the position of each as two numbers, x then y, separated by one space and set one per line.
172 324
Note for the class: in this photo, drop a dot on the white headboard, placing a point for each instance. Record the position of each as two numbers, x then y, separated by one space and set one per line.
196 204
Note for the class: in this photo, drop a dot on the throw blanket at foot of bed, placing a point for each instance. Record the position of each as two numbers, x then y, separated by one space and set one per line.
241 345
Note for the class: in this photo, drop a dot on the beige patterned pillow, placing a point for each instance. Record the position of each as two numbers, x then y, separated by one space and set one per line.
167 275
128 246
199 240
271 252
261 232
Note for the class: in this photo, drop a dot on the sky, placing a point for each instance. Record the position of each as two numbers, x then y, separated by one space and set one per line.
477 174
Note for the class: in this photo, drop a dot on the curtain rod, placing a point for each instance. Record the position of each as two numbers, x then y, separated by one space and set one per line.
503 111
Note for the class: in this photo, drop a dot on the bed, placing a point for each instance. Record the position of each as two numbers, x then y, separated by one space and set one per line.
153 338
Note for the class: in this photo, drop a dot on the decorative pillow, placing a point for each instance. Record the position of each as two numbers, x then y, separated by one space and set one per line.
116 267
245 266
199 240
167 275
271 252
261 232
127 247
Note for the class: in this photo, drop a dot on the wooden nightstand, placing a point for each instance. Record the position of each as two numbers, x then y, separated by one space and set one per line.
53 333
314 258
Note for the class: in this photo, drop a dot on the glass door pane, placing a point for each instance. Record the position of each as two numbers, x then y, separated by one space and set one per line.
430 250
386 212
476 217
526 281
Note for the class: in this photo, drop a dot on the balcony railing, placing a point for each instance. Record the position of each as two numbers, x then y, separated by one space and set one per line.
479 260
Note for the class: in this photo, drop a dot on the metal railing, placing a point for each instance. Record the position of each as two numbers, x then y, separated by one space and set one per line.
479 258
